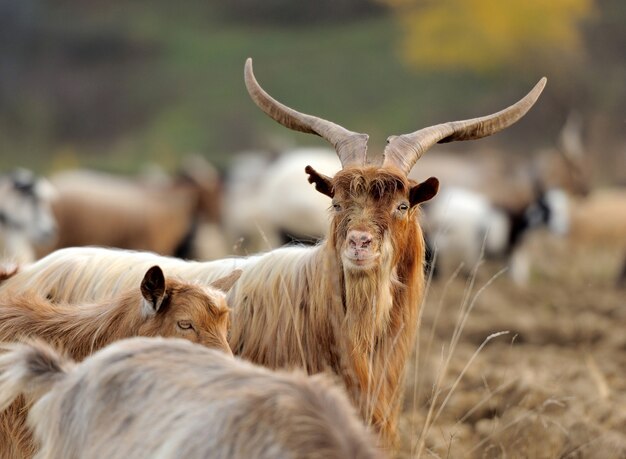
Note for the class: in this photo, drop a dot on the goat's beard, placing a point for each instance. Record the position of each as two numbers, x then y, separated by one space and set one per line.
369 299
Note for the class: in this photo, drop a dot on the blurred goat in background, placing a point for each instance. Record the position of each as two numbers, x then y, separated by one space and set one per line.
26 218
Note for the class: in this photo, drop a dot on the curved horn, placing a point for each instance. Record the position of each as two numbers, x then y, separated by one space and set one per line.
351 146
403 151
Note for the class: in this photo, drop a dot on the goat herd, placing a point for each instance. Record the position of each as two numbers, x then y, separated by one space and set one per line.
321 334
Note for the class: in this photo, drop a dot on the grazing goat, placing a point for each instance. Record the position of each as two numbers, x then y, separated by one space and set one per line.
462 225
350 304
26 218
105 210
160 307
167 398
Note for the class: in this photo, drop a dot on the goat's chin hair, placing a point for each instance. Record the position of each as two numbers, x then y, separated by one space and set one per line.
355 271
371 288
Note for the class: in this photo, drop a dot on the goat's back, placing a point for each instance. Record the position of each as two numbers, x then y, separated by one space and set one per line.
87 274
161 398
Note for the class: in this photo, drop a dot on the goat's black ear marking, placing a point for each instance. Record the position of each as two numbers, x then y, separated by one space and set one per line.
424 191
323 183
153 287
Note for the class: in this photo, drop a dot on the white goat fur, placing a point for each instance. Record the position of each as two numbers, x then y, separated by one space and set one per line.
264 210
279 316
30 219
464 225
82 274
129 400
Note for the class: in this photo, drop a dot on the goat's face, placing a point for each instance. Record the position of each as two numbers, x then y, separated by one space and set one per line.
25 206
374 210
179 309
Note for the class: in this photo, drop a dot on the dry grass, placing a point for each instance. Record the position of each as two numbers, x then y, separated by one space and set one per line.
553 387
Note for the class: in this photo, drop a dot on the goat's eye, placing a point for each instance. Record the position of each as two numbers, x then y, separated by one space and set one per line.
185 325
403 207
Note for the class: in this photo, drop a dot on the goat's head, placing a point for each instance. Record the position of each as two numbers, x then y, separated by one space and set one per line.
174 308
25 206
375 205
373 208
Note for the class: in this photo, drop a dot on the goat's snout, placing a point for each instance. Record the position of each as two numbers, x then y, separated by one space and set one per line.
359 239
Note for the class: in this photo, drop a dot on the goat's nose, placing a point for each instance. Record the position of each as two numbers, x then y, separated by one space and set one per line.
359 239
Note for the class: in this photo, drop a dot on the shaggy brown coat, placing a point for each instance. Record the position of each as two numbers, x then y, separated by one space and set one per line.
349 305
301 307
161 307
130 401
360 323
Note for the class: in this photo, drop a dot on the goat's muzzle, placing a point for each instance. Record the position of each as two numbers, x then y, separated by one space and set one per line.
360 250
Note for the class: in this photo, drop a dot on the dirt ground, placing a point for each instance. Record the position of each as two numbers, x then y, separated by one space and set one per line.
553 386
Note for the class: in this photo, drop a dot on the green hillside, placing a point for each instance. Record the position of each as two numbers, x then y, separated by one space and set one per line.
113 85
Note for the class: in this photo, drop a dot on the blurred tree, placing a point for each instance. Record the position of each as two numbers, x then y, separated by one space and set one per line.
482 35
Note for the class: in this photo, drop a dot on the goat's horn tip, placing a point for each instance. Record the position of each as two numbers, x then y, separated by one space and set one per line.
542 83
248 66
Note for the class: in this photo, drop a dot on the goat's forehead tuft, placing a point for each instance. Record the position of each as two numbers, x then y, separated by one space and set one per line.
375 182
202 295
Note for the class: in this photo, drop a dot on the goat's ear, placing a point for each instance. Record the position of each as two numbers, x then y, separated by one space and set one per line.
8 270
323 183
424 191
153 289
225 283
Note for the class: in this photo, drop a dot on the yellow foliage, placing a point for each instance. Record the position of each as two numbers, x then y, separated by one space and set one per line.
483 34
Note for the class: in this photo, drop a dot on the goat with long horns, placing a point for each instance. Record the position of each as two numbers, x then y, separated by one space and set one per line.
369 284
348 305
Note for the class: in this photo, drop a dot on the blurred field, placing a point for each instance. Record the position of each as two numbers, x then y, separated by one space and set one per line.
553 387
115 84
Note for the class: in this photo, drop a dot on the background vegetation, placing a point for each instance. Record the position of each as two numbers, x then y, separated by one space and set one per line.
114 84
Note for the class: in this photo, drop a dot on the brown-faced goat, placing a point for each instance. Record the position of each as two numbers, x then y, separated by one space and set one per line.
348 305
159 307
26 219
167 398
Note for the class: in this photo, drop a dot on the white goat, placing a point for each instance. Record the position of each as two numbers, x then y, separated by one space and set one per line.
167 398
462 225
26 217
269 204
